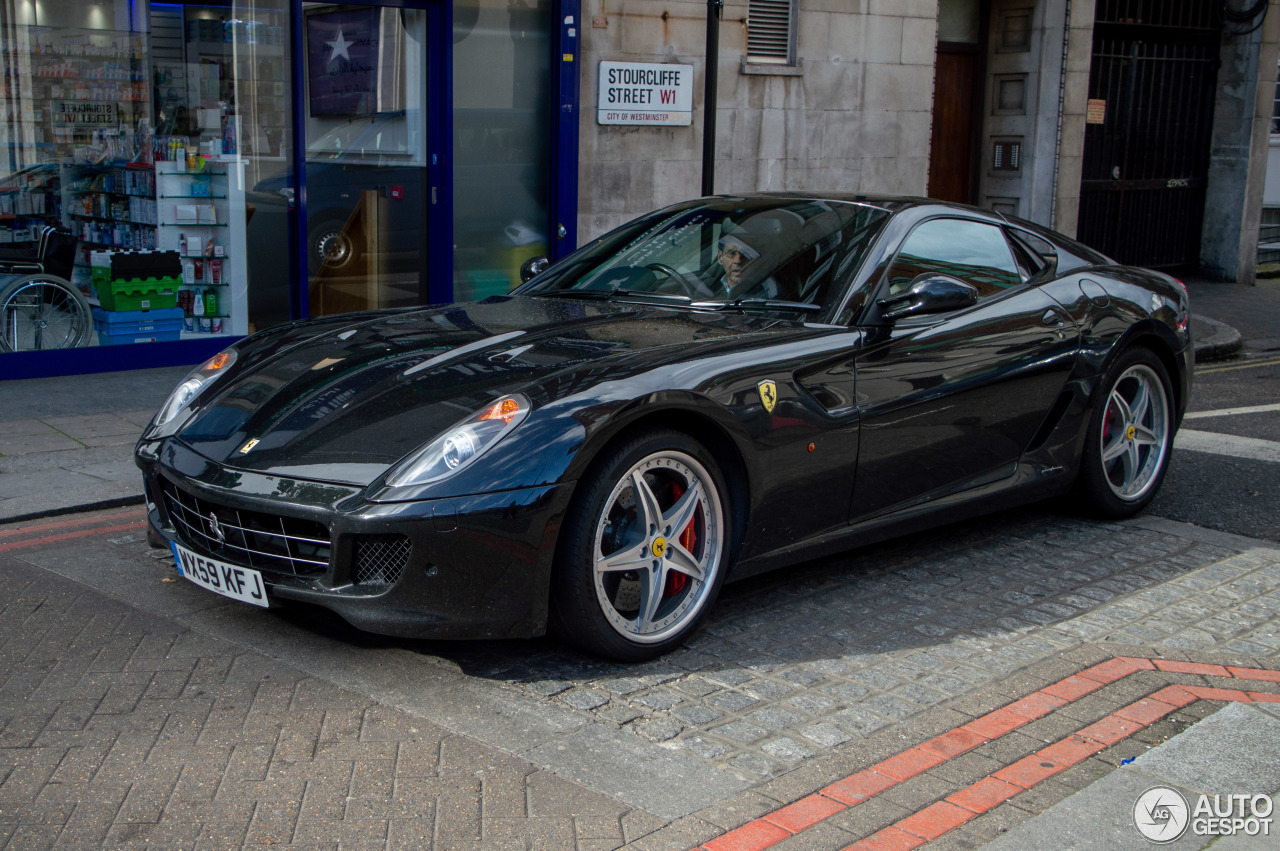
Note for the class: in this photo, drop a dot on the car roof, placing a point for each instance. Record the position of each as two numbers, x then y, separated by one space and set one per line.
888 203
896 204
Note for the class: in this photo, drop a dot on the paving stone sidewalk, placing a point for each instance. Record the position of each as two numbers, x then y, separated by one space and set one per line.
791 666
121 728
66 442
799 679
50 464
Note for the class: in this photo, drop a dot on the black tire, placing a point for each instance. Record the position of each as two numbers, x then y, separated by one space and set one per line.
593 584
43 312
1121 485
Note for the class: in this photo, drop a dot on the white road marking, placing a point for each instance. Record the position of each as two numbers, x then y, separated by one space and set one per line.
1231 412
1233 445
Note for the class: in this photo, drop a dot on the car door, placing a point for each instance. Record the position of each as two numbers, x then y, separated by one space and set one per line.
949 401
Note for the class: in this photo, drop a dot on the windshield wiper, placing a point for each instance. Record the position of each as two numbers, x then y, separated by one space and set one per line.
594 295
601 295
759 304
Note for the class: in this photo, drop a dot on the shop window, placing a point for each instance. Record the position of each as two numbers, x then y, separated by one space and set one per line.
502 152
142 136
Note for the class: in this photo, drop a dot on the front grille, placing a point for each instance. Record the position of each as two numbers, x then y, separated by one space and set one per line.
266 542
381 559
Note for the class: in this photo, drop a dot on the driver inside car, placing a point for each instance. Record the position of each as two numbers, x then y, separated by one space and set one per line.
731 274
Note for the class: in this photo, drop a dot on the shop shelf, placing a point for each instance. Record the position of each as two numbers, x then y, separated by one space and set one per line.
80 215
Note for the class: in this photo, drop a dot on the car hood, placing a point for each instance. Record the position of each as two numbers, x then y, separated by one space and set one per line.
343 398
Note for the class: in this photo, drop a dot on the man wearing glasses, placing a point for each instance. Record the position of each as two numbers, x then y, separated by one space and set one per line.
733 279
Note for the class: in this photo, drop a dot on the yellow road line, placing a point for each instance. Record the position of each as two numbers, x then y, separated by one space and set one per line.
1254 364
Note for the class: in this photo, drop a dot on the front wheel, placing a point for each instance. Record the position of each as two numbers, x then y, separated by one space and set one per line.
1126 451
644 548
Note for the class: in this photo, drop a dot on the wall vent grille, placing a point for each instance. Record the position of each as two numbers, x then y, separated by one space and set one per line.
771 28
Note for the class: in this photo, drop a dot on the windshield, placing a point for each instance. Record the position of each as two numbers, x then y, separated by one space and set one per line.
763 253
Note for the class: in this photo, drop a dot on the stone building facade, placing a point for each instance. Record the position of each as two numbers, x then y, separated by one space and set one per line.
852 115
857 110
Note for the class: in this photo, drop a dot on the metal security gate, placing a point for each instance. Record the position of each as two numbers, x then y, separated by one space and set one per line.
1146 152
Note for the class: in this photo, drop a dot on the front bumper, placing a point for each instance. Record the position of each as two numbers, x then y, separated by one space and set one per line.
478 566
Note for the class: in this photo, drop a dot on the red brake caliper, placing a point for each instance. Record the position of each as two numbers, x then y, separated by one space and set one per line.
688 539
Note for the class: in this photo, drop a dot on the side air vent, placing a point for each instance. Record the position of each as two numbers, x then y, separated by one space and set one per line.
380 560
1055 416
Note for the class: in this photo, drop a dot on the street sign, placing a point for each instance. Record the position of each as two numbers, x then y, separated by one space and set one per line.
645 93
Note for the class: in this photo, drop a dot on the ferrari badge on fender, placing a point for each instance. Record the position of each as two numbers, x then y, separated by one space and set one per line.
768 395
249 445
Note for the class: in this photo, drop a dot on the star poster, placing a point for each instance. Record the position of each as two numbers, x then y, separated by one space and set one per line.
342 67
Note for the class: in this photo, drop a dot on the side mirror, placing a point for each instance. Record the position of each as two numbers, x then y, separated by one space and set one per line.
928 293
533 267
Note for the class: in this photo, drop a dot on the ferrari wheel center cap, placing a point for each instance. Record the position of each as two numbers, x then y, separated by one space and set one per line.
659 547
1131 432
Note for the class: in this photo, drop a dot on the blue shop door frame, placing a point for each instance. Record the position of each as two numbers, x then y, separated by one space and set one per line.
431 192
566 79
562 207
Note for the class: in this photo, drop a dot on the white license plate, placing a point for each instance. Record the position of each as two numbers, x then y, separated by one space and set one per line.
238 583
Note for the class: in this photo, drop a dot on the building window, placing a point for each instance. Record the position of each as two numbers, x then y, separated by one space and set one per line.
1275 108
771 28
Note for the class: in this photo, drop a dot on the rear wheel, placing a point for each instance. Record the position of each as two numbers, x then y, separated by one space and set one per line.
1130 437
644 549
43 312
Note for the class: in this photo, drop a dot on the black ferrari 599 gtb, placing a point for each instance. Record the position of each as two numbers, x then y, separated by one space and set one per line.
722 387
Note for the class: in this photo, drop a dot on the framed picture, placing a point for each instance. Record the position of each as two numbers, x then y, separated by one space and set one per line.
342 61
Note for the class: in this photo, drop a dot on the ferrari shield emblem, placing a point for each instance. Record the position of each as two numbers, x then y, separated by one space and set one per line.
768 395
252 443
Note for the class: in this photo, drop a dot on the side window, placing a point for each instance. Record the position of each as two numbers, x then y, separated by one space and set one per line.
974 252
1042 254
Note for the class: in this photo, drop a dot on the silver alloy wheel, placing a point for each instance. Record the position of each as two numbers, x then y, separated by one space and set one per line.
657 547
1135 432
333 248
43 314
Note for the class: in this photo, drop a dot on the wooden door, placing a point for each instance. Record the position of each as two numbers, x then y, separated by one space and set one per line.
951 154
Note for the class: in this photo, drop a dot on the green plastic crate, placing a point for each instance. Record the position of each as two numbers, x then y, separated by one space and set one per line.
139 294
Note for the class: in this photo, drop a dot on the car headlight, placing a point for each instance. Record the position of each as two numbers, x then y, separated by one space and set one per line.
189 389
458 447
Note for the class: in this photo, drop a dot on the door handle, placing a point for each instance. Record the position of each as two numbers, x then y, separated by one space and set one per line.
1052 318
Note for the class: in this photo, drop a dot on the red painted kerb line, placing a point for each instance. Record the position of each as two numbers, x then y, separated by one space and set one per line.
70 522
67 536
945 815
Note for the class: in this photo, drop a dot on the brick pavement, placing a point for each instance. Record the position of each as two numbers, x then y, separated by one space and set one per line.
969 800
119 727
792 666
798 681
